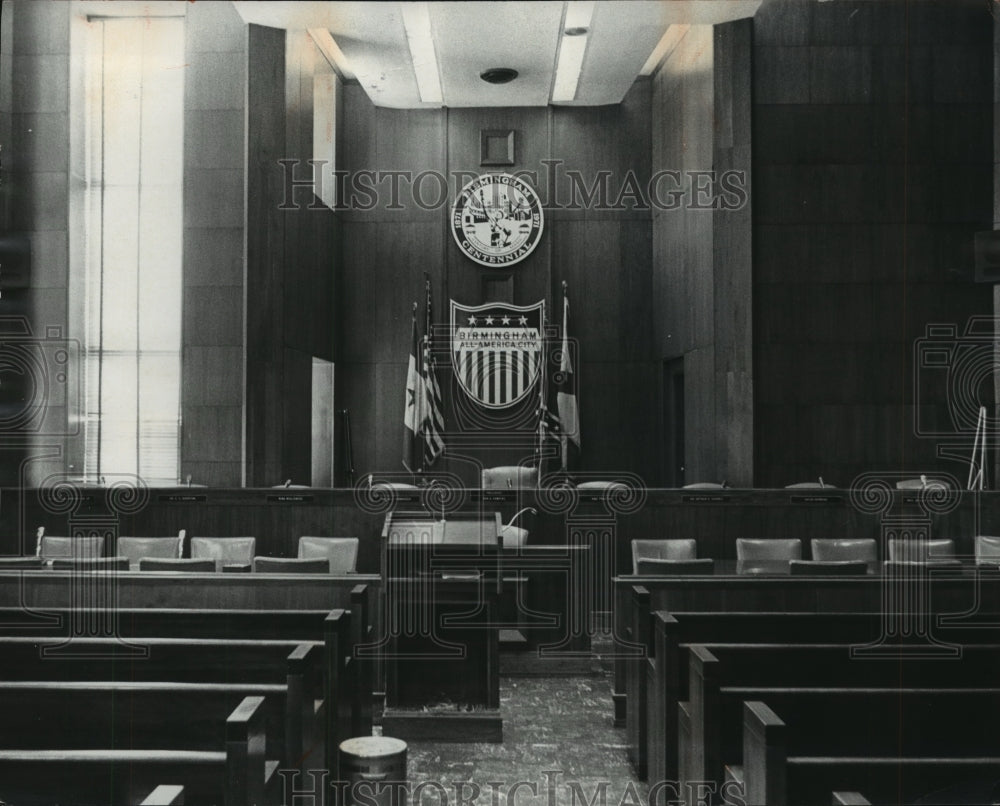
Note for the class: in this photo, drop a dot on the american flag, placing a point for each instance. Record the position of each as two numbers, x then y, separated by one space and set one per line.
562 425
432 424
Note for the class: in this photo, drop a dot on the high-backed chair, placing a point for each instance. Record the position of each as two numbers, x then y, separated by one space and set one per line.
90 564
828 568
340 552
844 549
138 548
768 550
988 549
50 547
226 551
290 565
177 564
510 477
921 551
674 549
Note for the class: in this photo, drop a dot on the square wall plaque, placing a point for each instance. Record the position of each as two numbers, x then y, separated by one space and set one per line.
496 146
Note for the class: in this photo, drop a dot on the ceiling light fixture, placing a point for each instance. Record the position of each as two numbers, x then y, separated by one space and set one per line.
498 75
417 22
572 47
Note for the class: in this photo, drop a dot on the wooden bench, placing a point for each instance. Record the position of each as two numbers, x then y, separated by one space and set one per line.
152 622
298 672
659 676
862 721
236 772
634 626
722 676
193 645
297 665
957 598
204 660
778 770
133 624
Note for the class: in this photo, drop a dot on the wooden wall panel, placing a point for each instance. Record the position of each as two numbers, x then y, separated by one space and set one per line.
605 260
291 258
215 155
865 206
733 256
264 253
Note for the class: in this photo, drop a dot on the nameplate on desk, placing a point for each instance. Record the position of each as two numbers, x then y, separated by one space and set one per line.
289 498
817 499
496 496
183 498
706 499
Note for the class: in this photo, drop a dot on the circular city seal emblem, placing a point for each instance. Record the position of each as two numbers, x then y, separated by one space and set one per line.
497 220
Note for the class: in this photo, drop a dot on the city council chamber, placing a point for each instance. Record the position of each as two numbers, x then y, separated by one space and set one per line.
560 403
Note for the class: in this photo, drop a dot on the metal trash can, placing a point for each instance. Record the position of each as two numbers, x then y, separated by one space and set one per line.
375 766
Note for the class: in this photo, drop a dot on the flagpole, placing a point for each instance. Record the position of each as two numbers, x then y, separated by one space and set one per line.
432 442
563 440
427 305
541 402
424 379
410 397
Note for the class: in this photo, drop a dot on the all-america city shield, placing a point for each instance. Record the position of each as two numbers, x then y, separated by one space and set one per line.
496 350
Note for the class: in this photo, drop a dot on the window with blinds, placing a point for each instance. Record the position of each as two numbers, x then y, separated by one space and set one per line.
133 228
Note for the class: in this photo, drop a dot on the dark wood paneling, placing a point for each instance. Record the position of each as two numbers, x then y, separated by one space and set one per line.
606 145
213 262
264 253
385 253
733 257
291 271
867 192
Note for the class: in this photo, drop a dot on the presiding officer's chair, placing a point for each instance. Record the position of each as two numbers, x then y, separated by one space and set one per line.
776 550
50 547
341 553
138 548
921 551
844 550
236 553
646 551
988 549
